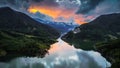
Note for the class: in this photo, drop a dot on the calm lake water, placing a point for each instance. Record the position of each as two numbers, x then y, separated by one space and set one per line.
61 55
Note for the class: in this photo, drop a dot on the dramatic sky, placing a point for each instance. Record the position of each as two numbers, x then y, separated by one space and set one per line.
79 11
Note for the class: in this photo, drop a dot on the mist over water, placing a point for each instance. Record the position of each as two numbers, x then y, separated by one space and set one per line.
61 55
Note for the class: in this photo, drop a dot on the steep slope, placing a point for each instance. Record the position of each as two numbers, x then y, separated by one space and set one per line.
102 34
17 21
111 51
104 28
20 35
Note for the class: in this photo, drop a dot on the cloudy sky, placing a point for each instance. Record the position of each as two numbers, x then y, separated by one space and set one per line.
81 11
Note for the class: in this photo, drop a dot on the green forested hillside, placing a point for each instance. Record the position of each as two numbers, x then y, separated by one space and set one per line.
103 28
102 34
20 35
18 44
16 21
110 50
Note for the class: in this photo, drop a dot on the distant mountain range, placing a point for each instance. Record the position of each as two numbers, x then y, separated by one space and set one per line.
20 34
62 27
101 34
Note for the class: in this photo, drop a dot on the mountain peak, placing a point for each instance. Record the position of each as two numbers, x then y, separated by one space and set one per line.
6 8
17 21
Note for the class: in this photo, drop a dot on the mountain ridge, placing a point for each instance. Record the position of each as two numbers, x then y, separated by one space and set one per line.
100 29
23 20
62 27
20 35
101 34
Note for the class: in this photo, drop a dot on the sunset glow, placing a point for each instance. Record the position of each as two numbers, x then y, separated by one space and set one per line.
60 46
57 12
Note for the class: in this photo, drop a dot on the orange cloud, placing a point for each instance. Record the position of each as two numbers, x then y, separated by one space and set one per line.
56 12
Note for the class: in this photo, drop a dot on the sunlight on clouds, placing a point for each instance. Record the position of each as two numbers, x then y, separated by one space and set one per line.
57 12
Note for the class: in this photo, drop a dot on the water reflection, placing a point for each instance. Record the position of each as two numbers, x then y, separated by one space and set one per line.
61 55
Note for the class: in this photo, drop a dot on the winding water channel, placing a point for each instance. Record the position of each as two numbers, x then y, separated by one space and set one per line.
61 55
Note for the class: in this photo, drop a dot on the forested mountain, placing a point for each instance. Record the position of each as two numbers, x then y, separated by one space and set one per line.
16 21
20 35
101 34
103 28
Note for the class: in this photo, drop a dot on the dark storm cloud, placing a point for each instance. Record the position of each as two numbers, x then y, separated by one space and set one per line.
37 0
24 4
106 7
14 1
17 4
87 5
49 3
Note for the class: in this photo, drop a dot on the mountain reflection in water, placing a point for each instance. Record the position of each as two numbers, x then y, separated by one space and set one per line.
61 55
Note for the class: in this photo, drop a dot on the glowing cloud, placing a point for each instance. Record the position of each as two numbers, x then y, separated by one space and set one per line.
57 12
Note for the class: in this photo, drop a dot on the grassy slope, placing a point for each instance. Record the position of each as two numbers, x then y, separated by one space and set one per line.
103 29
16 21
17 44
110 50
20 35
